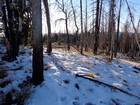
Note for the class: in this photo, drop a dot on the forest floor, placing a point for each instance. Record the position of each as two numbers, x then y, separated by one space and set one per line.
70 79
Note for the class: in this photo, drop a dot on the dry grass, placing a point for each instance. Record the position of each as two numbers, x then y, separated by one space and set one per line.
107 59
92 75
72 49
88 67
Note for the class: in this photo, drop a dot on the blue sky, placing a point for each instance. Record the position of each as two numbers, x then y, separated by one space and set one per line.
55 14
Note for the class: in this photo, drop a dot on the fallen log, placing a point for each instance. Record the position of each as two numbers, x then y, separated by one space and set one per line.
105 84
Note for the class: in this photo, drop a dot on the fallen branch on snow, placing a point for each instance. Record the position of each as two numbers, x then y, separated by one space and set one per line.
135 67
105 84
58 64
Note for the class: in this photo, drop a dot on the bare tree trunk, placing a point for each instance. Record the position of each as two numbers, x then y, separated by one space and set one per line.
86 34
64 9
13 38
75 22
96 40
49 45
101 5
93 28
81 40
37 76
109 32
5 23
136 32
7 35
113 28
117 36
68 37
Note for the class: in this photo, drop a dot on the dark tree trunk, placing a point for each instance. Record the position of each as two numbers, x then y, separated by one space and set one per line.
6 32
68 37
81 40
37 76
13 40
117 36
26 31
112 25
96 40
86 33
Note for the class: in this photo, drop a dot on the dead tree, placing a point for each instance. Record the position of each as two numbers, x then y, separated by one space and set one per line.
86 33
132 21
49 45
75 23
81 39
118 26
13 38
64 9
96 39
111 29
37 76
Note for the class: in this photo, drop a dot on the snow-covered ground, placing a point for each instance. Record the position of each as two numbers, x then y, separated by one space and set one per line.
61 86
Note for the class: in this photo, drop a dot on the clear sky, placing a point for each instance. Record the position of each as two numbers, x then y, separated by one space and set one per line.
60 26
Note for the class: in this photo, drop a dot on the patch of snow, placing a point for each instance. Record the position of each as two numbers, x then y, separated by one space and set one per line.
62 87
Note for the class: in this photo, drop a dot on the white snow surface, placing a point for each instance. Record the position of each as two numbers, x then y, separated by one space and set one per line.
61 86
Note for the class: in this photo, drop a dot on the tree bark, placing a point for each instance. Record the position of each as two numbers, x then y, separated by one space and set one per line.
37 76
81 40
75 22
49 44
68 37
136 32
117 37
14 45
96 40
112 29
86 33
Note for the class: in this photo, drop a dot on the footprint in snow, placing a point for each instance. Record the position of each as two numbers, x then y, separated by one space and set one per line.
89 103
63 99
76 103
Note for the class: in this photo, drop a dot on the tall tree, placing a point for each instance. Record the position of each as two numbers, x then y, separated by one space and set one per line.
118 27
49 45
112 27
132 21
86 33
96 40
75 22
64 8
37 76
81 40
13 36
